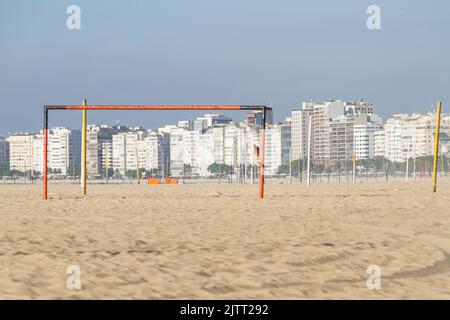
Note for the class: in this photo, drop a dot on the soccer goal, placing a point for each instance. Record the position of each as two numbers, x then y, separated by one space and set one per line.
84 107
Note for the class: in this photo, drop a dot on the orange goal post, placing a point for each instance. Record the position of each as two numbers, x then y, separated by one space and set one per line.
84 107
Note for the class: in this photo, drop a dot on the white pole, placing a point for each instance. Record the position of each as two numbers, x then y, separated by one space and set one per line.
308 180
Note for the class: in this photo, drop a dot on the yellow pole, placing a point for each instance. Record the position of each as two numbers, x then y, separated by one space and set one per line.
436 144
83 149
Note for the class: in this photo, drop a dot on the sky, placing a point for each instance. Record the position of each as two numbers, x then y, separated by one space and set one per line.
218 52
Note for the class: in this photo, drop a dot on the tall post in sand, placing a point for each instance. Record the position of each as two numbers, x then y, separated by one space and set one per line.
138 176
83 148
354 168
407 164
290 165
261 163
436 145
44 174
308 173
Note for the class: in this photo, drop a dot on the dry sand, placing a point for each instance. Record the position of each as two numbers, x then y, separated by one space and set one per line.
211 241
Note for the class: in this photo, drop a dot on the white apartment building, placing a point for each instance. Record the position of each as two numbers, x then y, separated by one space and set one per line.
277 147
26 152
322 132
177 151
379 144
401 136
341 139
393 138
153 151
119 152
64 149
137 149
364 139
223 144
231 145
132 143
205 155
424 135
97 136
408 136
107 156
299 130
38 152
335 124
210 120
359 107
21 152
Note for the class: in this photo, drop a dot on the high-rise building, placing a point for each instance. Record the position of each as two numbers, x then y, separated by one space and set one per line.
21 151
379 144
4 154
254 118
119 153
341 143
277 147
177 151
64 150
96 137
334 126
154 151
407 136
300 130
321 116
140 149
400 135
210 120
364 140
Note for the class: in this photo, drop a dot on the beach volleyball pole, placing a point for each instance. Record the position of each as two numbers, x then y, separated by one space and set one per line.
44 177
436 144
261 163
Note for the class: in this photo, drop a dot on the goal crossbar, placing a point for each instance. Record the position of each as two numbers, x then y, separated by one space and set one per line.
84 107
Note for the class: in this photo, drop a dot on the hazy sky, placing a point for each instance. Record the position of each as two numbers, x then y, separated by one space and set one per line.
222 51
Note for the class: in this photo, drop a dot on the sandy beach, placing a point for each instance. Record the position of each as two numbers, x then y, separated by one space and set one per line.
222 242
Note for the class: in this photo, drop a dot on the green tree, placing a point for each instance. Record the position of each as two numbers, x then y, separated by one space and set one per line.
74 170
16 173
131 174
187 169
54 171
296 167
4 170
219 169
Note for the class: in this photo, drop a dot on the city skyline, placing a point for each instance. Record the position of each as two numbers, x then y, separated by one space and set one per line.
340 131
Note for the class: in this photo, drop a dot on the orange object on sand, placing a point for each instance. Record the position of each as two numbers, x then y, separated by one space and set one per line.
153 181
171 181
